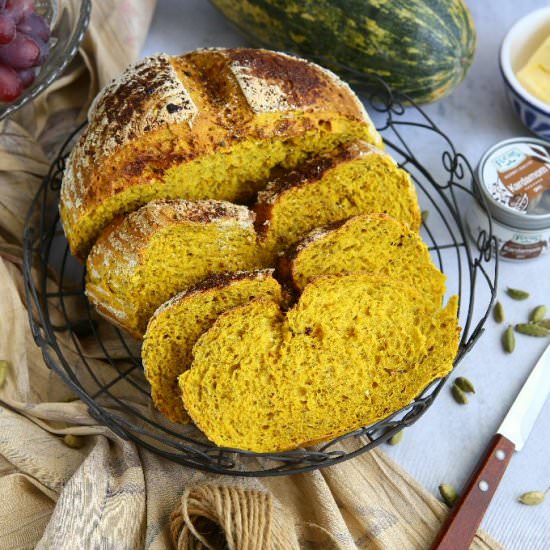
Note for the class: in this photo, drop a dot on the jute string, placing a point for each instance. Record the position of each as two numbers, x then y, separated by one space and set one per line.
221 516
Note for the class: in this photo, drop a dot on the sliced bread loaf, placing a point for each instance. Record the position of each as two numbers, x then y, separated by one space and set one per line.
178 324
209 124
163 248
374 243
354 349
355 179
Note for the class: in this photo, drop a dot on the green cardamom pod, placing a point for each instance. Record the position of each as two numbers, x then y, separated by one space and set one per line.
509 340
531 329
517 294
532 498
396 439
74 441
425 215
464 384
459 395
4 366
537 314
498 313
448 493
544 323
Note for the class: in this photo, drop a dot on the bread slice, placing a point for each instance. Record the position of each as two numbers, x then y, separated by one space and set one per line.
374 243
354 349
210 124
178 324
163 248
355 179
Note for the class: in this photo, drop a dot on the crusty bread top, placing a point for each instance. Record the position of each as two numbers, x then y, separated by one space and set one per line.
199 88
145 97
129 235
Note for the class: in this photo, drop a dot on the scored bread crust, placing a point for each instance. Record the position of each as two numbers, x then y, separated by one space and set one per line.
118 252
200 102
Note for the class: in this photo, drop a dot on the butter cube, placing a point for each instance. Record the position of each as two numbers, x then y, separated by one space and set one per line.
535 75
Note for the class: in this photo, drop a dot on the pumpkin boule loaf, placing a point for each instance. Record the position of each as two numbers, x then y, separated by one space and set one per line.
374 243
166 246
354 349
356 178
210 124
178 324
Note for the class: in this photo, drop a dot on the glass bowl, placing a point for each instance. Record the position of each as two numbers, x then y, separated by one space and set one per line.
68 21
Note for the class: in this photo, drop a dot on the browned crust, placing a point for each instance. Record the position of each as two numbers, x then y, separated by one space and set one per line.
213 282
119 248
313 169
307 173
301 82
201 102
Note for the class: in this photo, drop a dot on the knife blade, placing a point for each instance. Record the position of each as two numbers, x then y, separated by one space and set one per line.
466 515
523 413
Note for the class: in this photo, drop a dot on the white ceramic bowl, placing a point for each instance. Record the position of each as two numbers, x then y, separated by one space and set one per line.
518 44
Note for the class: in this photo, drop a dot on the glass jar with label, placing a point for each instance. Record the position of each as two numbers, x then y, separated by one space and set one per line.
513 177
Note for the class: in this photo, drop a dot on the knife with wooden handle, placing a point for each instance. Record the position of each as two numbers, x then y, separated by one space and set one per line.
467 513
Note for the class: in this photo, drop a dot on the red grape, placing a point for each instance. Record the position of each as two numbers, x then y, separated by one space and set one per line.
17 9
27 77
7 29
24 37
10 84
44 50
34 25
21 53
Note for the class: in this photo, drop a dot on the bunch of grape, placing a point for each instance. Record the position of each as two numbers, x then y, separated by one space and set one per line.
24 39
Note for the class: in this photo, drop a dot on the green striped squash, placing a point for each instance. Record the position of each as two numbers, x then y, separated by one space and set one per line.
419 47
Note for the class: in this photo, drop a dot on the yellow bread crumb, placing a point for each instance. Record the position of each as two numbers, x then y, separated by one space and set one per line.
353 350
374 243
178 324
162 249
355 179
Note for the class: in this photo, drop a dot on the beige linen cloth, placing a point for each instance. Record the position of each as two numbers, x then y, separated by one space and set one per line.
111 494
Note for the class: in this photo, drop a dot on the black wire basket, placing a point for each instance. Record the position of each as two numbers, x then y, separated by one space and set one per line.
102 365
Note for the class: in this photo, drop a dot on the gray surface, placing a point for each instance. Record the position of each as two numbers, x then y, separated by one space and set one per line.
446 443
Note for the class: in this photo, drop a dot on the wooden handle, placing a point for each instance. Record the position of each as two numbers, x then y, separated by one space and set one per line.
467 513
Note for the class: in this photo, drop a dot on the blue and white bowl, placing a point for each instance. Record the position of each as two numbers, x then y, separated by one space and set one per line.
518 44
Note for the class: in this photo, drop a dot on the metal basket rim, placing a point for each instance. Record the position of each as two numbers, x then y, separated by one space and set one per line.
298 461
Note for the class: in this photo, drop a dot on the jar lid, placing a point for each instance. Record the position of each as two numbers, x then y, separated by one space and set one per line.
514 177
